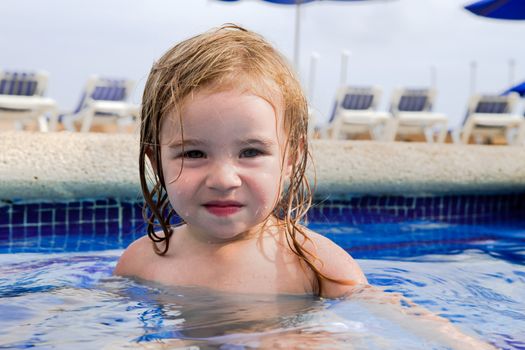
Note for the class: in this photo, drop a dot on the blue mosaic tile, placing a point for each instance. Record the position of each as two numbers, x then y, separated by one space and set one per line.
87 228
88 204
47 230
88 213
101 202
60 215
73 214
71 205
46 216
16 216
74 228
32 216
4 233
4 212
113 212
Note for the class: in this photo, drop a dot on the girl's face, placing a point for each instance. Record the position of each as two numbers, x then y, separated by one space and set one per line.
233 156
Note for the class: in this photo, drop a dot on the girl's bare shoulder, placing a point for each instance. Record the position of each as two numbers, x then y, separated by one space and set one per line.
336 263
135 258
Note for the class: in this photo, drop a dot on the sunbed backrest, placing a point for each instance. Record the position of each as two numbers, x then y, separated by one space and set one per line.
21 84
414 101
355 98
112 90
357 101
104 89
492 106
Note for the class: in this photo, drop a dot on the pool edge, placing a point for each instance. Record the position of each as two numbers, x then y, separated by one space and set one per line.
74 165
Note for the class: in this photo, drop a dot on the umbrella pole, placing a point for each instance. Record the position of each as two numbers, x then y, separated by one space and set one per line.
433 77
297 36
314 58
345 58
473 74
512 70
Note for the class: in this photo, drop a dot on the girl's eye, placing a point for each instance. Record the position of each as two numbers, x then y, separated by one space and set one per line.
250 153
194 154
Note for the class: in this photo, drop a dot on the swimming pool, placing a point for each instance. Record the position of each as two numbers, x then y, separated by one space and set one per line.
462 257
442 224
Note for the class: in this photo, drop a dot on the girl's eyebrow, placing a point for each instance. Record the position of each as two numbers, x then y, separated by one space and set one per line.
185 143
260 142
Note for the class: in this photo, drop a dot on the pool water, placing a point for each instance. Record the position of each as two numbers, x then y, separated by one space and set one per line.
55 298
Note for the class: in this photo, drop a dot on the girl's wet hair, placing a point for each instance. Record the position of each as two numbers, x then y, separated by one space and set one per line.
221 59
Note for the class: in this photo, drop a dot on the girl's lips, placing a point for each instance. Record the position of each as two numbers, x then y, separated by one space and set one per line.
220 208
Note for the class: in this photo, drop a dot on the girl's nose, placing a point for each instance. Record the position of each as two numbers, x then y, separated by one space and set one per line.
223 177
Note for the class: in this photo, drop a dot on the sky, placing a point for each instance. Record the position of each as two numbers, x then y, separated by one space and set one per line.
391 44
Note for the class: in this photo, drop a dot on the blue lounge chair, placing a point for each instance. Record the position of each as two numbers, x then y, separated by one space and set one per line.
412 111
489 116
355 112
104 100
22 101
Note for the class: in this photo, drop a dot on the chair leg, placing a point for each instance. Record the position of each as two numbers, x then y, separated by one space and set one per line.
429 134
480 139
42 123
467 130
69 123
336 129
390 130
455 134
513 133
19 125
442 135
87 120
519 138
52 121
376 132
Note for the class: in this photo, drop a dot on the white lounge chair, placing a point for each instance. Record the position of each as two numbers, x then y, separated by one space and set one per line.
103 101
355 112
22 101
412 111
489 116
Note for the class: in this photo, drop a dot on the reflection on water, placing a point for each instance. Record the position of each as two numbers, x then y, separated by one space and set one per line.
196 313
66 301
412 239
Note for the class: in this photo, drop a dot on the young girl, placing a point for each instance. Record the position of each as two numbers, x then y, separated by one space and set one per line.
224 127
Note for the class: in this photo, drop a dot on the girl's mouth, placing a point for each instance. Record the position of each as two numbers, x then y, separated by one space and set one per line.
223 208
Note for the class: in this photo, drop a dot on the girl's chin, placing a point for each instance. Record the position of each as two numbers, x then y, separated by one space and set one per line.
225 237
229 237
212 235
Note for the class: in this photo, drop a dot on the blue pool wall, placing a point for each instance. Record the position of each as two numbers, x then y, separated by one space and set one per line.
54 185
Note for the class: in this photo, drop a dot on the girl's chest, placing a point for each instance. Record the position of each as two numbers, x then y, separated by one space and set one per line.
247 272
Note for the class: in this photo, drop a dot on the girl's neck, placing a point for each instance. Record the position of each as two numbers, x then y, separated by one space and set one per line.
268 228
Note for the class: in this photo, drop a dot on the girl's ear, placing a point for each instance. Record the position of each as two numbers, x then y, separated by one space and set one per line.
289 166
293 158
151 156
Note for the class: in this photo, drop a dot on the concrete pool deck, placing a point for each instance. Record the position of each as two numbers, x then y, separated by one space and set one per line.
65 165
